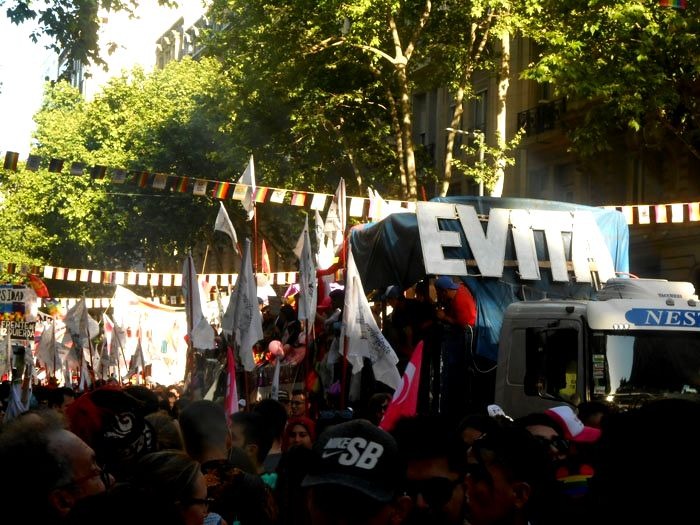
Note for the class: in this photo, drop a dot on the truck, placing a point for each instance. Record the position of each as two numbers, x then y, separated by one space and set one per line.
560 317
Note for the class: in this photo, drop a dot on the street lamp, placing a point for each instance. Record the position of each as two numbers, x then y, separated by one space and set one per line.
479 136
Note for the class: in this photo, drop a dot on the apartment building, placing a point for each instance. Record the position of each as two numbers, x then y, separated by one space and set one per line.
545 168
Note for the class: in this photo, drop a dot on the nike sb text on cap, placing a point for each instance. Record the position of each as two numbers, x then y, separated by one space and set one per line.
360 456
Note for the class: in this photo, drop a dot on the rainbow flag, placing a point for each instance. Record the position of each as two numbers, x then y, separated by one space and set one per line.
220 190
11 158
182 184
98 172
676 4
298 198
141 178
261 193
56 165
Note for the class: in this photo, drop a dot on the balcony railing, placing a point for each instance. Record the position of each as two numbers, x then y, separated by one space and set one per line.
545 117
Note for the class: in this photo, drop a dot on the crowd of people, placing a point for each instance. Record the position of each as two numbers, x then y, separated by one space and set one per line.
307 456
116 455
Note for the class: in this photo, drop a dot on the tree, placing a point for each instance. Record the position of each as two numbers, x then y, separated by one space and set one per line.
341 75
629 67
72 25
169 122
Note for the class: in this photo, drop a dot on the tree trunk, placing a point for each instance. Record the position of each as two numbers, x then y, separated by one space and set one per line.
449 150
503 84
406 129
398 147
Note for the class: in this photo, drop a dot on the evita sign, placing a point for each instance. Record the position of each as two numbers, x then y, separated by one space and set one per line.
572 241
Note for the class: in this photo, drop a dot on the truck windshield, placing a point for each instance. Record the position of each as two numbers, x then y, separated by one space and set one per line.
630 368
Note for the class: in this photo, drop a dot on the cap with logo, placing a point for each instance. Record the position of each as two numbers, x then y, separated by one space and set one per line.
573 427
358 455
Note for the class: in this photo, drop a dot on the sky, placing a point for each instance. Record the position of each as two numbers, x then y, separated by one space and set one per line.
23 66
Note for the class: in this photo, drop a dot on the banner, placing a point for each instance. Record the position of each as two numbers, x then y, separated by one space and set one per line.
162 330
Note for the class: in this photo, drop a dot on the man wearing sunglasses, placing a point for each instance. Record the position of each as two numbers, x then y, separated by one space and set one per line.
48 469
435 469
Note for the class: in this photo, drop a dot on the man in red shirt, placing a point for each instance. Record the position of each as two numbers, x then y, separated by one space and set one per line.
459 307
457 315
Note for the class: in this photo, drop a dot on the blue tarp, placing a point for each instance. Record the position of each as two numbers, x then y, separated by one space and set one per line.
389 252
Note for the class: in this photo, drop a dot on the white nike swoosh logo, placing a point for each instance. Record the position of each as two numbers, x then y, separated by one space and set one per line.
326 454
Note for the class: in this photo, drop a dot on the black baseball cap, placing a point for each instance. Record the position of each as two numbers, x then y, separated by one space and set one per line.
360 456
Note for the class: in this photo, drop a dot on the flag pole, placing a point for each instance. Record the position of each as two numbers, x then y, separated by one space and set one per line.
255 239
204 262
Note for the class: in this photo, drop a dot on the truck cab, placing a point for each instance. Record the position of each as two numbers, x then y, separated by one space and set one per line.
638 340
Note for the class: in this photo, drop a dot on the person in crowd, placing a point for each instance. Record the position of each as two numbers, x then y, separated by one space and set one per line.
429 388
300 431
289 495
275 415
435 460
473 426
46 469
576 468
170 405
647 460
357 477
237 491
166 430
377 405
509 480
250 432
406 322
283 397
457 305
298 405
147 396
59 398
456 314
175 480
591 413
113 423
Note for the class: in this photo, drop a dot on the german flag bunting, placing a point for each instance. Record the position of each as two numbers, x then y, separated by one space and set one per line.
11 158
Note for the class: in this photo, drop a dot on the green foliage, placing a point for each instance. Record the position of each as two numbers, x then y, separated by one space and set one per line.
632 66
483 162
169 122
72 25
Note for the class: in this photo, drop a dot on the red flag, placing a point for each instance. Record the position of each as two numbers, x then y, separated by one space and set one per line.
231 403
265 259
38 285
405 400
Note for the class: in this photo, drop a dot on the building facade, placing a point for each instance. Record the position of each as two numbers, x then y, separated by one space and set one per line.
628 174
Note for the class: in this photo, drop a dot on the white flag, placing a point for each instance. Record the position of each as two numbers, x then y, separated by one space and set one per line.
80 325
47 351
248 178
242 317
200 331
307 278
6 355
223 224
378 208
364 338
336 219
318 231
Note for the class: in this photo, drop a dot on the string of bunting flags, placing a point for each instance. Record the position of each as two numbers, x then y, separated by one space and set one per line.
641 214
221 190
677 213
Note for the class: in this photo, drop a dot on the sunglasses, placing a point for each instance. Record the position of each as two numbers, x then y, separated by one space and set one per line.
435 491
561 444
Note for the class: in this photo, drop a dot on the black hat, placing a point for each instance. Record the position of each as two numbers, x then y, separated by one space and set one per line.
360 456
